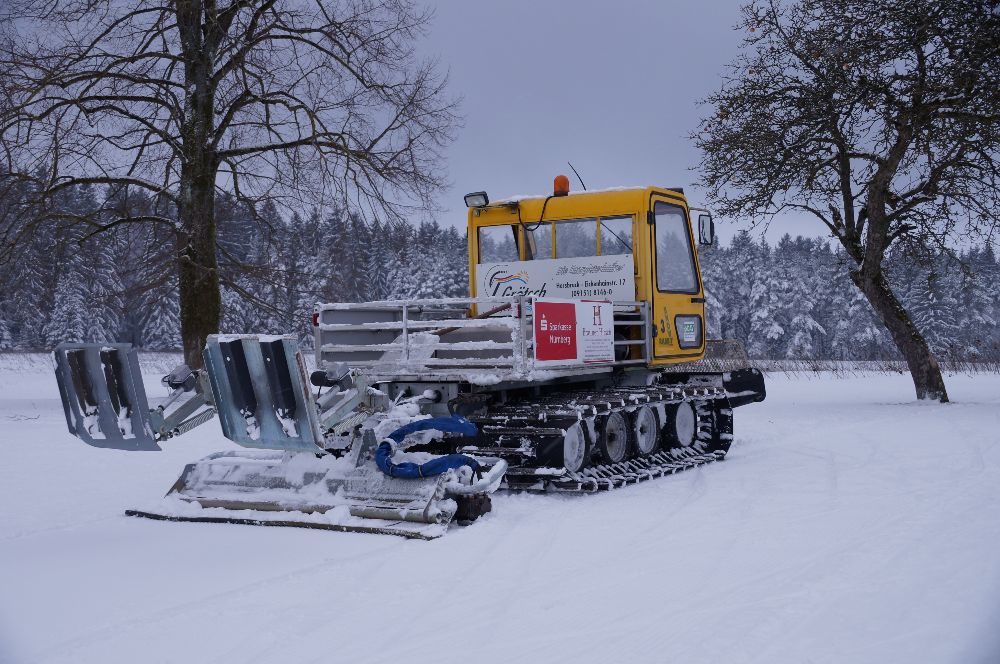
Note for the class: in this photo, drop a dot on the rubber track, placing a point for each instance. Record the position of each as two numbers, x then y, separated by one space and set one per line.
550 415
612 476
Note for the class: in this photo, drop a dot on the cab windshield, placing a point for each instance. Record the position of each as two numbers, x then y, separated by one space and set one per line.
579 238
566 238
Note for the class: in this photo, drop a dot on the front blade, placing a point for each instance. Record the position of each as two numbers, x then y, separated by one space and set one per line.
422 531
103 396
303 490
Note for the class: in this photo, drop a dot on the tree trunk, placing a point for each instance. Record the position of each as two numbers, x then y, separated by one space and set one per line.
923 365
201 303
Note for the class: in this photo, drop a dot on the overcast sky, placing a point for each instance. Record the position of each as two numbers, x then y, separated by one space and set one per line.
611 86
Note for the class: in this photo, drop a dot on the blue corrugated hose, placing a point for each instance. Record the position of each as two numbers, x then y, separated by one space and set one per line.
453 424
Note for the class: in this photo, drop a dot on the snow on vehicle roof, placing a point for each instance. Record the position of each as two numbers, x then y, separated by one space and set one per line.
521 197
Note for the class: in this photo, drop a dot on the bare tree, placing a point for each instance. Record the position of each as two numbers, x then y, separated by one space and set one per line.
881 118
310 99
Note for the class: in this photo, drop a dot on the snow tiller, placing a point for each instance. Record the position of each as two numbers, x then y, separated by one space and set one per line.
579 363
258 387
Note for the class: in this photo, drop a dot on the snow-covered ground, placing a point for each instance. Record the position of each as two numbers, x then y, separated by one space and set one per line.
849 524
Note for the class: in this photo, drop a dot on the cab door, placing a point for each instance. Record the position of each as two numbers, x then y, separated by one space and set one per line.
678 302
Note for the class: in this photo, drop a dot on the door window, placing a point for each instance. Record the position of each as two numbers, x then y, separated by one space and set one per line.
675 271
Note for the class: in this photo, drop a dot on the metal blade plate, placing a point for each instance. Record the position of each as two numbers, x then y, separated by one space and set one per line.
103 396
262 393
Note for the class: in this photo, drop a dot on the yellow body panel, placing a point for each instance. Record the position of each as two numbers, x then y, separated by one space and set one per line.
664 306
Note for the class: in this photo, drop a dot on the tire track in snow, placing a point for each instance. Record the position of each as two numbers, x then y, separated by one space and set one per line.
114 630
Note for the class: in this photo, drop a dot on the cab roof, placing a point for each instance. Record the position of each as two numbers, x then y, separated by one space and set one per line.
590 192
595 203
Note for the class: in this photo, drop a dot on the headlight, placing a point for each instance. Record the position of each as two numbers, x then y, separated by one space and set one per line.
477 199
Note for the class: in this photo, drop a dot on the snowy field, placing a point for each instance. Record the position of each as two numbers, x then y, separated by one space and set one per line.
849 524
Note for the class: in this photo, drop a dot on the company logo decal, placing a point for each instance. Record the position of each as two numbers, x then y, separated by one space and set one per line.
598 277
498 279
501 282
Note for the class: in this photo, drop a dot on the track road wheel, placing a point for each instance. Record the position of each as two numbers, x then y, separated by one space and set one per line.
681 428
645 431
612 440
576 448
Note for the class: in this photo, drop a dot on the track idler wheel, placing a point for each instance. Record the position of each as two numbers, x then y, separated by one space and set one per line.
576 448
645 431
613 437
681 427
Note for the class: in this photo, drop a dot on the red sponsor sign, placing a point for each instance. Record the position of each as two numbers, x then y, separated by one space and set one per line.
573 332
555 331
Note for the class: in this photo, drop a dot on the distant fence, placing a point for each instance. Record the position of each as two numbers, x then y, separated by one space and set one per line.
163 362
857 367
151 362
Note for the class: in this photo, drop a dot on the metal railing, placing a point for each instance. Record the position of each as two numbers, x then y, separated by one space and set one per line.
438 336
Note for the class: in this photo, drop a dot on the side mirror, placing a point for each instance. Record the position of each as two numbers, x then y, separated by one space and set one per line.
706 229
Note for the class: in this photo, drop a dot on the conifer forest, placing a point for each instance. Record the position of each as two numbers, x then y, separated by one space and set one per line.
792 299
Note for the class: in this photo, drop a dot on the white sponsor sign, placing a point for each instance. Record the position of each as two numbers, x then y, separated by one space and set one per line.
602 277
573 332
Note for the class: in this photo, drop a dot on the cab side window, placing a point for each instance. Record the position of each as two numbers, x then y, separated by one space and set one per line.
675 272
538 241
616 236
576 239
498 244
